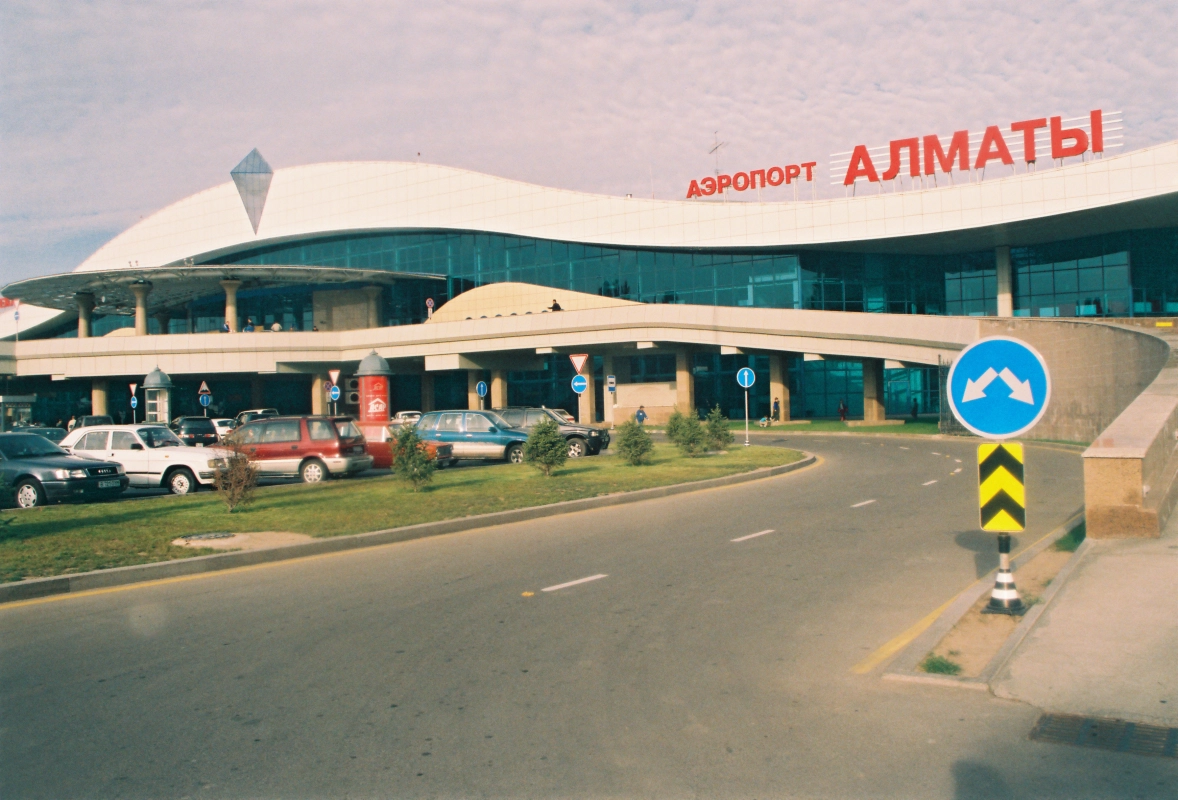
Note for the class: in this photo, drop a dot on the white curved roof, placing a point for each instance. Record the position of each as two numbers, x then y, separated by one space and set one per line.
323 199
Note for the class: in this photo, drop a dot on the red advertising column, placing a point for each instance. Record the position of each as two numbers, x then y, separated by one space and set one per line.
373 376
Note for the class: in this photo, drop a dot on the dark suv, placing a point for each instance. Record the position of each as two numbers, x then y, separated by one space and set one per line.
195 431
582 439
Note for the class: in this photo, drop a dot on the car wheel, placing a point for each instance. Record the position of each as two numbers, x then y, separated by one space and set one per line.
577 447
313 471
515 454
182 481
29 494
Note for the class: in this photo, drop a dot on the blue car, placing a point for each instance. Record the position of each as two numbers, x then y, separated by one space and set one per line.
474 434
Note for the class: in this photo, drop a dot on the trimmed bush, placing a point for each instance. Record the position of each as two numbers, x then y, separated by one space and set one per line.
546 449
718 434
633 443
411 459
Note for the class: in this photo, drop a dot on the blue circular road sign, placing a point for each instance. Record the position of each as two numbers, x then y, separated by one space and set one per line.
481 388
134 402
206 400
746 377
580 383
333 393
999 387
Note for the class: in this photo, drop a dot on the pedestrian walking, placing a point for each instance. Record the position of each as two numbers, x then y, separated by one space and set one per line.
915 408
640 415
776 416
842 411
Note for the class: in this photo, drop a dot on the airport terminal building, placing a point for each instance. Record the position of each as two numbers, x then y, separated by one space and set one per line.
263 284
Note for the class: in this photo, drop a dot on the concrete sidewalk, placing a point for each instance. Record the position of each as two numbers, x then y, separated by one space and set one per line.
1108 644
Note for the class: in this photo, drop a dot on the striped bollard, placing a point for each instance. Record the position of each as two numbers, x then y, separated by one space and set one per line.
1004 598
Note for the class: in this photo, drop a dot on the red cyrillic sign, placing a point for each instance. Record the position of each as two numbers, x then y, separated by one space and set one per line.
754 179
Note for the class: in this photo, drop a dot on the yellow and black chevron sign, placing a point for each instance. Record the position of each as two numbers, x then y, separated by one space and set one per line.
1002 494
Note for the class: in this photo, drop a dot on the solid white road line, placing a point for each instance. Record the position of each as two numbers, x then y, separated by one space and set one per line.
928 483
864 503
752 535
573 583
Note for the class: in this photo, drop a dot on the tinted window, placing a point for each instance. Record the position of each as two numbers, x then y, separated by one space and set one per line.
122 440
320 430
495 419
95 440
535 416
427 422
285 431
513 417
197 426
348 430
450 423
477 423
159 437
25 445
249 434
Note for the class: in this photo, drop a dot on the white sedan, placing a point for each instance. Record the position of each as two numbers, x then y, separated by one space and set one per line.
152 455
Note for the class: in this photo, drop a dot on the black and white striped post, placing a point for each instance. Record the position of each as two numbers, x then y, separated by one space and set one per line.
1004 598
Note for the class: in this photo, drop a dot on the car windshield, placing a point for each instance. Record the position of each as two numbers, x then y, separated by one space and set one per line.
496 420
159 437
52 434
27 445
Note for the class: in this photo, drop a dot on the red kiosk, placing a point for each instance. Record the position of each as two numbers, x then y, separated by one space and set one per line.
373 376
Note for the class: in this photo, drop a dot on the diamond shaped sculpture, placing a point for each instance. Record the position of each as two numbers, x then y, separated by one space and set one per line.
252 177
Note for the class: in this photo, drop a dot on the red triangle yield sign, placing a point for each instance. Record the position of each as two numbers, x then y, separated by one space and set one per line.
579 361
334 375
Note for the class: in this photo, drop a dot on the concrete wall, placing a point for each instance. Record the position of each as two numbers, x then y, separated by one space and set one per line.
340 310
1097 370
658 399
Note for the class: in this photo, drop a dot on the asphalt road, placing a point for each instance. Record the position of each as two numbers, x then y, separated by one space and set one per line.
697 666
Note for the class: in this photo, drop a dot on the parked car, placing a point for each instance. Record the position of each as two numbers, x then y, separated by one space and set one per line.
252 414
195 431
224 426
92 419
405 418
40 472
54 435
474 434
151 455
380 440
312 448
560 412
582 439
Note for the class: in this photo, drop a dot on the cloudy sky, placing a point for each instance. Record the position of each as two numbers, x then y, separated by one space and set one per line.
109 111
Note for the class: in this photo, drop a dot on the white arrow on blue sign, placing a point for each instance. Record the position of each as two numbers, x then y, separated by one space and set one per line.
206 400
134 402
746 377
999 387
333 393
580 383
481 388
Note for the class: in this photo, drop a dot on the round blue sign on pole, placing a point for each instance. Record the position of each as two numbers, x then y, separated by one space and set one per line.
580 383
746 377
134 402
206 400
333 393
999 387
481 388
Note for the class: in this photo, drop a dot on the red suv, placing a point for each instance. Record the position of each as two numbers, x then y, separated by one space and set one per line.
313 448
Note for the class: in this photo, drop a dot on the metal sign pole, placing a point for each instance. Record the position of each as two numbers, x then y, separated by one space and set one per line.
746 417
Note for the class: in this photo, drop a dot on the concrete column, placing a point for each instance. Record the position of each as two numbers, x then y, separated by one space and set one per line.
319 394
779 383
587 402
230 286
427 391
1005 294
162 318
373 293
607 369
85 302
257 395
98 397
473 376
684 381
499 388
141 291
873 390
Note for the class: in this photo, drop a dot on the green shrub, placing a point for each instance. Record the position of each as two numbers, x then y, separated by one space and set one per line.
692 440
1072 540
236 479
718 434
939 665
633 443
545 448
411 459
675 425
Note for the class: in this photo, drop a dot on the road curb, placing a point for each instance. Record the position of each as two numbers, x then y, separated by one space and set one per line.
101 579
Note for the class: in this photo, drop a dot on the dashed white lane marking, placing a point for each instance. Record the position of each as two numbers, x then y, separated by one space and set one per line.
957 470
573 583
935 453
864 503
929 483
752 535
958 460
902 447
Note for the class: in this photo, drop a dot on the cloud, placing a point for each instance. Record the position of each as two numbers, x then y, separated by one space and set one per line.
113 110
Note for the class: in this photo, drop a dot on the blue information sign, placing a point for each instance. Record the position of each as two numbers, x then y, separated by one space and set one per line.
580 383
746 377
333 393
206 400
134 402
481 388
999 387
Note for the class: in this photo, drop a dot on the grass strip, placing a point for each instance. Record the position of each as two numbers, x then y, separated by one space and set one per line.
65 539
